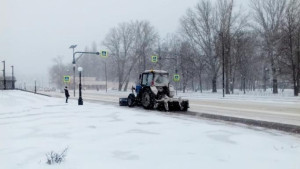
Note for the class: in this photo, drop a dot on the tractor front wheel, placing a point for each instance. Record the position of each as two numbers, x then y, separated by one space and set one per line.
148 99
131 100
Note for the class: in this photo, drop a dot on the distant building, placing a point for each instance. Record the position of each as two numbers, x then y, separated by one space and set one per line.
9 82
91 83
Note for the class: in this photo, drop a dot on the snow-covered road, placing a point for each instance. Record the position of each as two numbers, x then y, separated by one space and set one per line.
100 135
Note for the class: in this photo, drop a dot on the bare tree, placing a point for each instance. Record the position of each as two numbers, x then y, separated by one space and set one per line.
289 62
231 24
246 60
200 66
200 27
57 71
268 15
119 41
225 14
186 64
146 38
211 28
130 43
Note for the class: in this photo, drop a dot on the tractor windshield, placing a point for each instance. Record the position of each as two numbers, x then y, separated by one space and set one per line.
161 79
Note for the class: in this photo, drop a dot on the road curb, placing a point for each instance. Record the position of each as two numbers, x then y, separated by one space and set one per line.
33 92
258 123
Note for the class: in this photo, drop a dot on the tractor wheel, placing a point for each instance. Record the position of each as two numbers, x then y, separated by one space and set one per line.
185 106
131 100
148 99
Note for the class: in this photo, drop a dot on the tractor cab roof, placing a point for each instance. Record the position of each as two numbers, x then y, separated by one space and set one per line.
156 71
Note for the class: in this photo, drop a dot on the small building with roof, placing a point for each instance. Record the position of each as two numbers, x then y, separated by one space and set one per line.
9 81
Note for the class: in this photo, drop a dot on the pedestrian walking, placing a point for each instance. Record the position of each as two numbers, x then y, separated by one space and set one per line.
67 94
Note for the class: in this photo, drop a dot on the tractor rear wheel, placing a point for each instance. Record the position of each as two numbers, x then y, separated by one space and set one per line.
148 99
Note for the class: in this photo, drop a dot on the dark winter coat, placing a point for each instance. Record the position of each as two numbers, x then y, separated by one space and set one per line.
67 93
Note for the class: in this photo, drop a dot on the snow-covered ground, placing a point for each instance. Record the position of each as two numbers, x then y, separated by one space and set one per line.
112 137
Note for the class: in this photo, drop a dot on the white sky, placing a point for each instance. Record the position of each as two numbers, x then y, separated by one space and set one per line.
33 32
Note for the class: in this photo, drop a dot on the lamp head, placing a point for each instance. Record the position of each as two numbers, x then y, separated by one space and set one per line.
73 46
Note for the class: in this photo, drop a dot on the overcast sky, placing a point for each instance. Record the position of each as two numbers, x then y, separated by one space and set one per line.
33 32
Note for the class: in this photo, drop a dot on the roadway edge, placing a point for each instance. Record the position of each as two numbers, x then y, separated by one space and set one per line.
258 123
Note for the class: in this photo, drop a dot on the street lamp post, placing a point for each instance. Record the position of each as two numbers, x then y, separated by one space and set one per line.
223 64
4 79
105 78
265 78
74 61
176 71
35 86
244 83
80 101
12 77
74 66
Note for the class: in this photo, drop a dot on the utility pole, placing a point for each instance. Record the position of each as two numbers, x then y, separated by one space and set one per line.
244 83
223 65
105 78
74 66
12 78
265 78
4 79
80 101
35 86
176 71
144 61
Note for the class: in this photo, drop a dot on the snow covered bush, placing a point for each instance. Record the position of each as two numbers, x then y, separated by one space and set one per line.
57 158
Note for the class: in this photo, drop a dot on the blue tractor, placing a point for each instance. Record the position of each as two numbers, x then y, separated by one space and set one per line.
155 92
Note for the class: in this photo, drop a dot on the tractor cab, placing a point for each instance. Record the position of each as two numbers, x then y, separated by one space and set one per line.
154 78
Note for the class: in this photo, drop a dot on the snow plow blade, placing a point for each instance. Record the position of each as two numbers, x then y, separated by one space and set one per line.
123 102
172 104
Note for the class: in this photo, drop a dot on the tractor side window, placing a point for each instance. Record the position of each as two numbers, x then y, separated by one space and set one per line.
150 79
161 79
144 80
